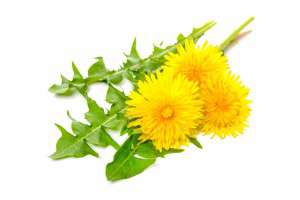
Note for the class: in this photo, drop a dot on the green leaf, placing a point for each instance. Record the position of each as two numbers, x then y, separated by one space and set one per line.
96 114
125 163
62 89
133 52
77 145
67 87
133 57
93 134
98 120
115 77
105 140
80 128
78 82
133 69
114 95
129 131
147 150
195 142
117 123
97 70
117 100
71 146
77 75
136 71
96 136
169 151
180 37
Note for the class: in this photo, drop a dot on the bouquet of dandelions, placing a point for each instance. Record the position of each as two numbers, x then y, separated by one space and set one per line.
180 91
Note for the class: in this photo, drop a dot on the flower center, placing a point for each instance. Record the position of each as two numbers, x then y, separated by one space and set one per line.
223 106
167 112
193 73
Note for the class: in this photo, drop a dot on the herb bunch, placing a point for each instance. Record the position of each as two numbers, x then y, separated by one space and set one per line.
134 155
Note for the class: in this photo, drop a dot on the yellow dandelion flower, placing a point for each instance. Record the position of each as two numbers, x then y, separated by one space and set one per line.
165 109
197 63
226 107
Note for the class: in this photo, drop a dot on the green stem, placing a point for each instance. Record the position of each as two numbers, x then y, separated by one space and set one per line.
232 37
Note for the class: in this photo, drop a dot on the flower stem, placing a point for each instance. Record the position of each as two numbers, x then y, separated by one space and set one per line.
234 35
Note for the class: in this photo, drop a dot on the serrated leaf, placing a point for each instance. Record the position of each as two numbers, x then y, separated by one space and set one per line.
133 51
115 77
84 134
125 163
96 136
96 114
98 120
134 64
117 100
106 139
67 87
157 58
63 88
71 146
78 82
98 70
129 75
133 57
157 50
114 95
195 142
77 75
79 128
117 122
180 37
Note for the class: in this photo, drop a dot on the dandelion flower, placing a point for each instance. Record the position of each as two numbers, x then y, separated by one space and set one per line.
165 109
197 63
226 107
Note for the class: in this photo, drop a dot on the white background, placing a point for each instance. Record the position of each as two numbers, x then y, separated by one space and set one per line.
38 41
